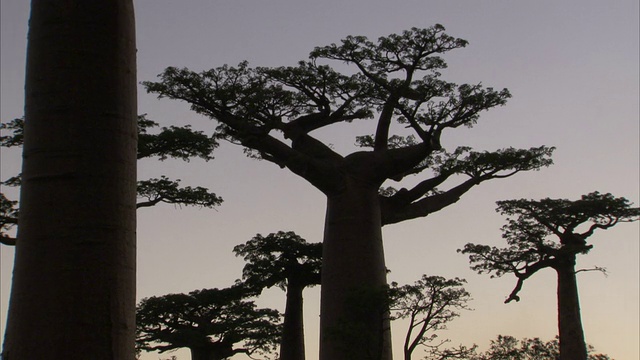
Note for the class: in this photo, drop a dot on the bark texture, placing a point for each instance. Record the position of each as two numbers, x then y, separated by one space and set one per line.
73 293
354 321
292 345
572 343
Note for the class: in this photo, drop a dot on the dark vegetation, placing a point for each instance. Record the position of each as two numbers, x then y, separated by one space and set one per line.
271 112
285 260
510 348
214 324
430 304
550 233
393 84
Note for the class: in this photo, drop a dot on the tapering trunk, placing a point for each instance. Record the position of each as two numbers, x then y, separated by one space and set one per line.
572 343
73 292
292 346
204 353
354 321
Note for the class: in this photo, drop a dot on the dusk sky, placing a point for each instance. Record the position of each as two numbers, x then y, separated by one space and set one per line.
572 67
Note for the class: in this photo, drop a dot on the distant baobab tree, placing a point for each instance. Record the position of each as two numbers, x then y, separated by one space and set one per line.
550 233
285 260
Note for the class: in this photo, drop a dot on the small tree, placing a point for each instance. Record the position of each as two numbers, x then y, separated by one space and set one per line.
550 233
510 348
287 261
214 324
272 113
429 304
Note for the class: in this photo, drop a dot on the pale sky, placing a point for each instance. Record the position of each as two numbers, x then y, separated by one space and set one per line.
572 67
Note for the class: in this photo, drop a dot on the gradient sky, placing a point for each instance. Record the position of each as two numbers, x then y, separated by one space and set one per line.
572 67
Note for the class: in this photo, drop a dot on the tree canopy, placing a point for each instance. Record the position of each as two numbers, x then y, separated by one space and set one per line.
550 233
542 233
429 304
280 259
217 323
509 348
285 260
251 105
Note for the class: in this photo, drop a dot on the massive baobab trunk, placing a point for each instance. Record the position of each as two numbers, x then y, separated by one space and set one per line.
73 294
572 343
354 322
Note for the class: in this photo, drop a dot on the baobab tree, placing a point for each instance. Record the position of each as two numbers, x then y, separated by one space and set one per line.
272 112
214 324
73 292
550 233
285 260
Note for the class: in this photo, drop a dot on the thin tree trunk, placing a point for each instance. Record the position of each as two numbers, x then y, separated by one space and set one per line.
572 343
73 292
354 314
204 353
292 346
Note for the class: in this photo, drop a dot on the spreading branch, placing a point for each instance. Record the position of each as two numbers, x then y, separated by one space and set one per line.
545 234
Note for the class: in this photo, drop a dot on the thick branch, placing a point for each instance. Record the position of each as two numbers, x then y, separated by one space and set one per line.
394 213
384 124
528 272
404 196
7 240
399 161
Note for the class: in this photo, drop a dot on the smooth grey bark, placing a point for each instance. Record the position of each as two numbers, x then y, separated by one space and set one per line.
572 342
73 292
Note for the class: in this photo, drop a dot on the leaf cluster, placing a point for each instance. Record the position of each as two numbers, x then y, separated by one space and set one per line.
8 219
173 142
209 318
16 133
508 347
280 259
169 191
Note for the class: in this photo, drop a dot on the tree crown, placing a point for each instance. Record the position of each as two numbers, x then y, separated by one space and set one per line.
547 233
210 318
280 259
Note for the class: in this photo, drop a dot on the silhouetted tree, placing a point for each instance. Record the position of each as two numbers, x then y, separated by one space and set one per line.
510 348
174 142
429 304
8 219
73 289
271 112
285 260
214 324
550 233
